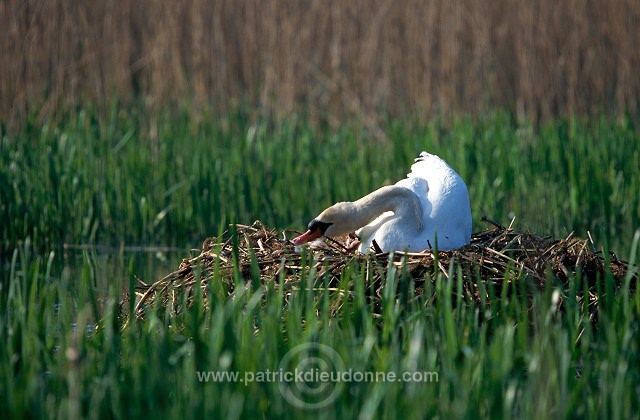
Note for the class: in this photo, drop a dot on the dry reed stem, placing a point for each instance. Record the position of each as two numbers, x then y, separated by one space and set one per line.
334 59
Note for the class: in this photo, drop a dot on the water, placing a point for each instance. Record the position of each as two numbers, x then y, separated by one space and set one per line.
111 269
115 265
73 277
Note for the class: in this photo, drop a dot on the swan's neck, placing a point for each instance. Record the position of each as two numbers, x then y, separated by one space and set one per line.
401 201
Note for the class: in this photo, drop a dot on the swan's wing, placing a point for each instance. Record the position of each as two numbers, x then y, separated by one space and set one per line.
444 197
367 233
372 226
432 177
423 173
429 166
448 198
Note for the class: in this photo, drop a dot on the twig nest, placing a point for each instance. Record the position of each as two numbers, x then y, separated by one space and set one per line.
494 258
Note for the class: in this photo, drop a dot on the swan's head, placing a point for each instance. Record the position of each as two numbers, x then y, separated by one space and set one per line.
336 220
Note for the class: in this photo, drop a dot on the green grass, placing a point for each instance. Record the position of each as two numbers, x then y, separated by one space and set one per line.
178 181
514 362
172 179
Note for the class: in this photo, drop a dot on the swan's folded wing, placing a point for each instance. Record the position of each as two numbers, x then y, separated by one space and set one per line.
368 232
428 165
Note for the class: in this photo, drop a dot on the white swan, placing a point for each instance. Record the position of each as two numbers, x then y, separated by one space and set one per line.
428 209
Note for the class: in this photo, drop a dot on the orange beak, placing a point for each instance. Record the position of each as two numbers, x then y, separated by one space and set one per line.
308 236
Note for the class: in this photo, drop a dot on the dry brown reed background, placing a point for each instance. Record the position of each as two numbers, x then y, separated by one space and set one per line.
332 59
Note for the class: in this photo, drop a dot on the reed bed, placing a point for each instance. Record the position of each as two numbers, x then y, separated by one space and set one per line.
497 263
253 298
340 61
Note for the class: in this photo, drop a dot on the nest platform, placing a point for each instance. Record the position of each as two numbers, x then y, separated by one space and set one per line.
495 258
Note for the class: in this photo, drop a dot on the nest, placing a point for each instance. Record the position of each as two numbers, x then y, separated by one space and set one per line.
496 258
